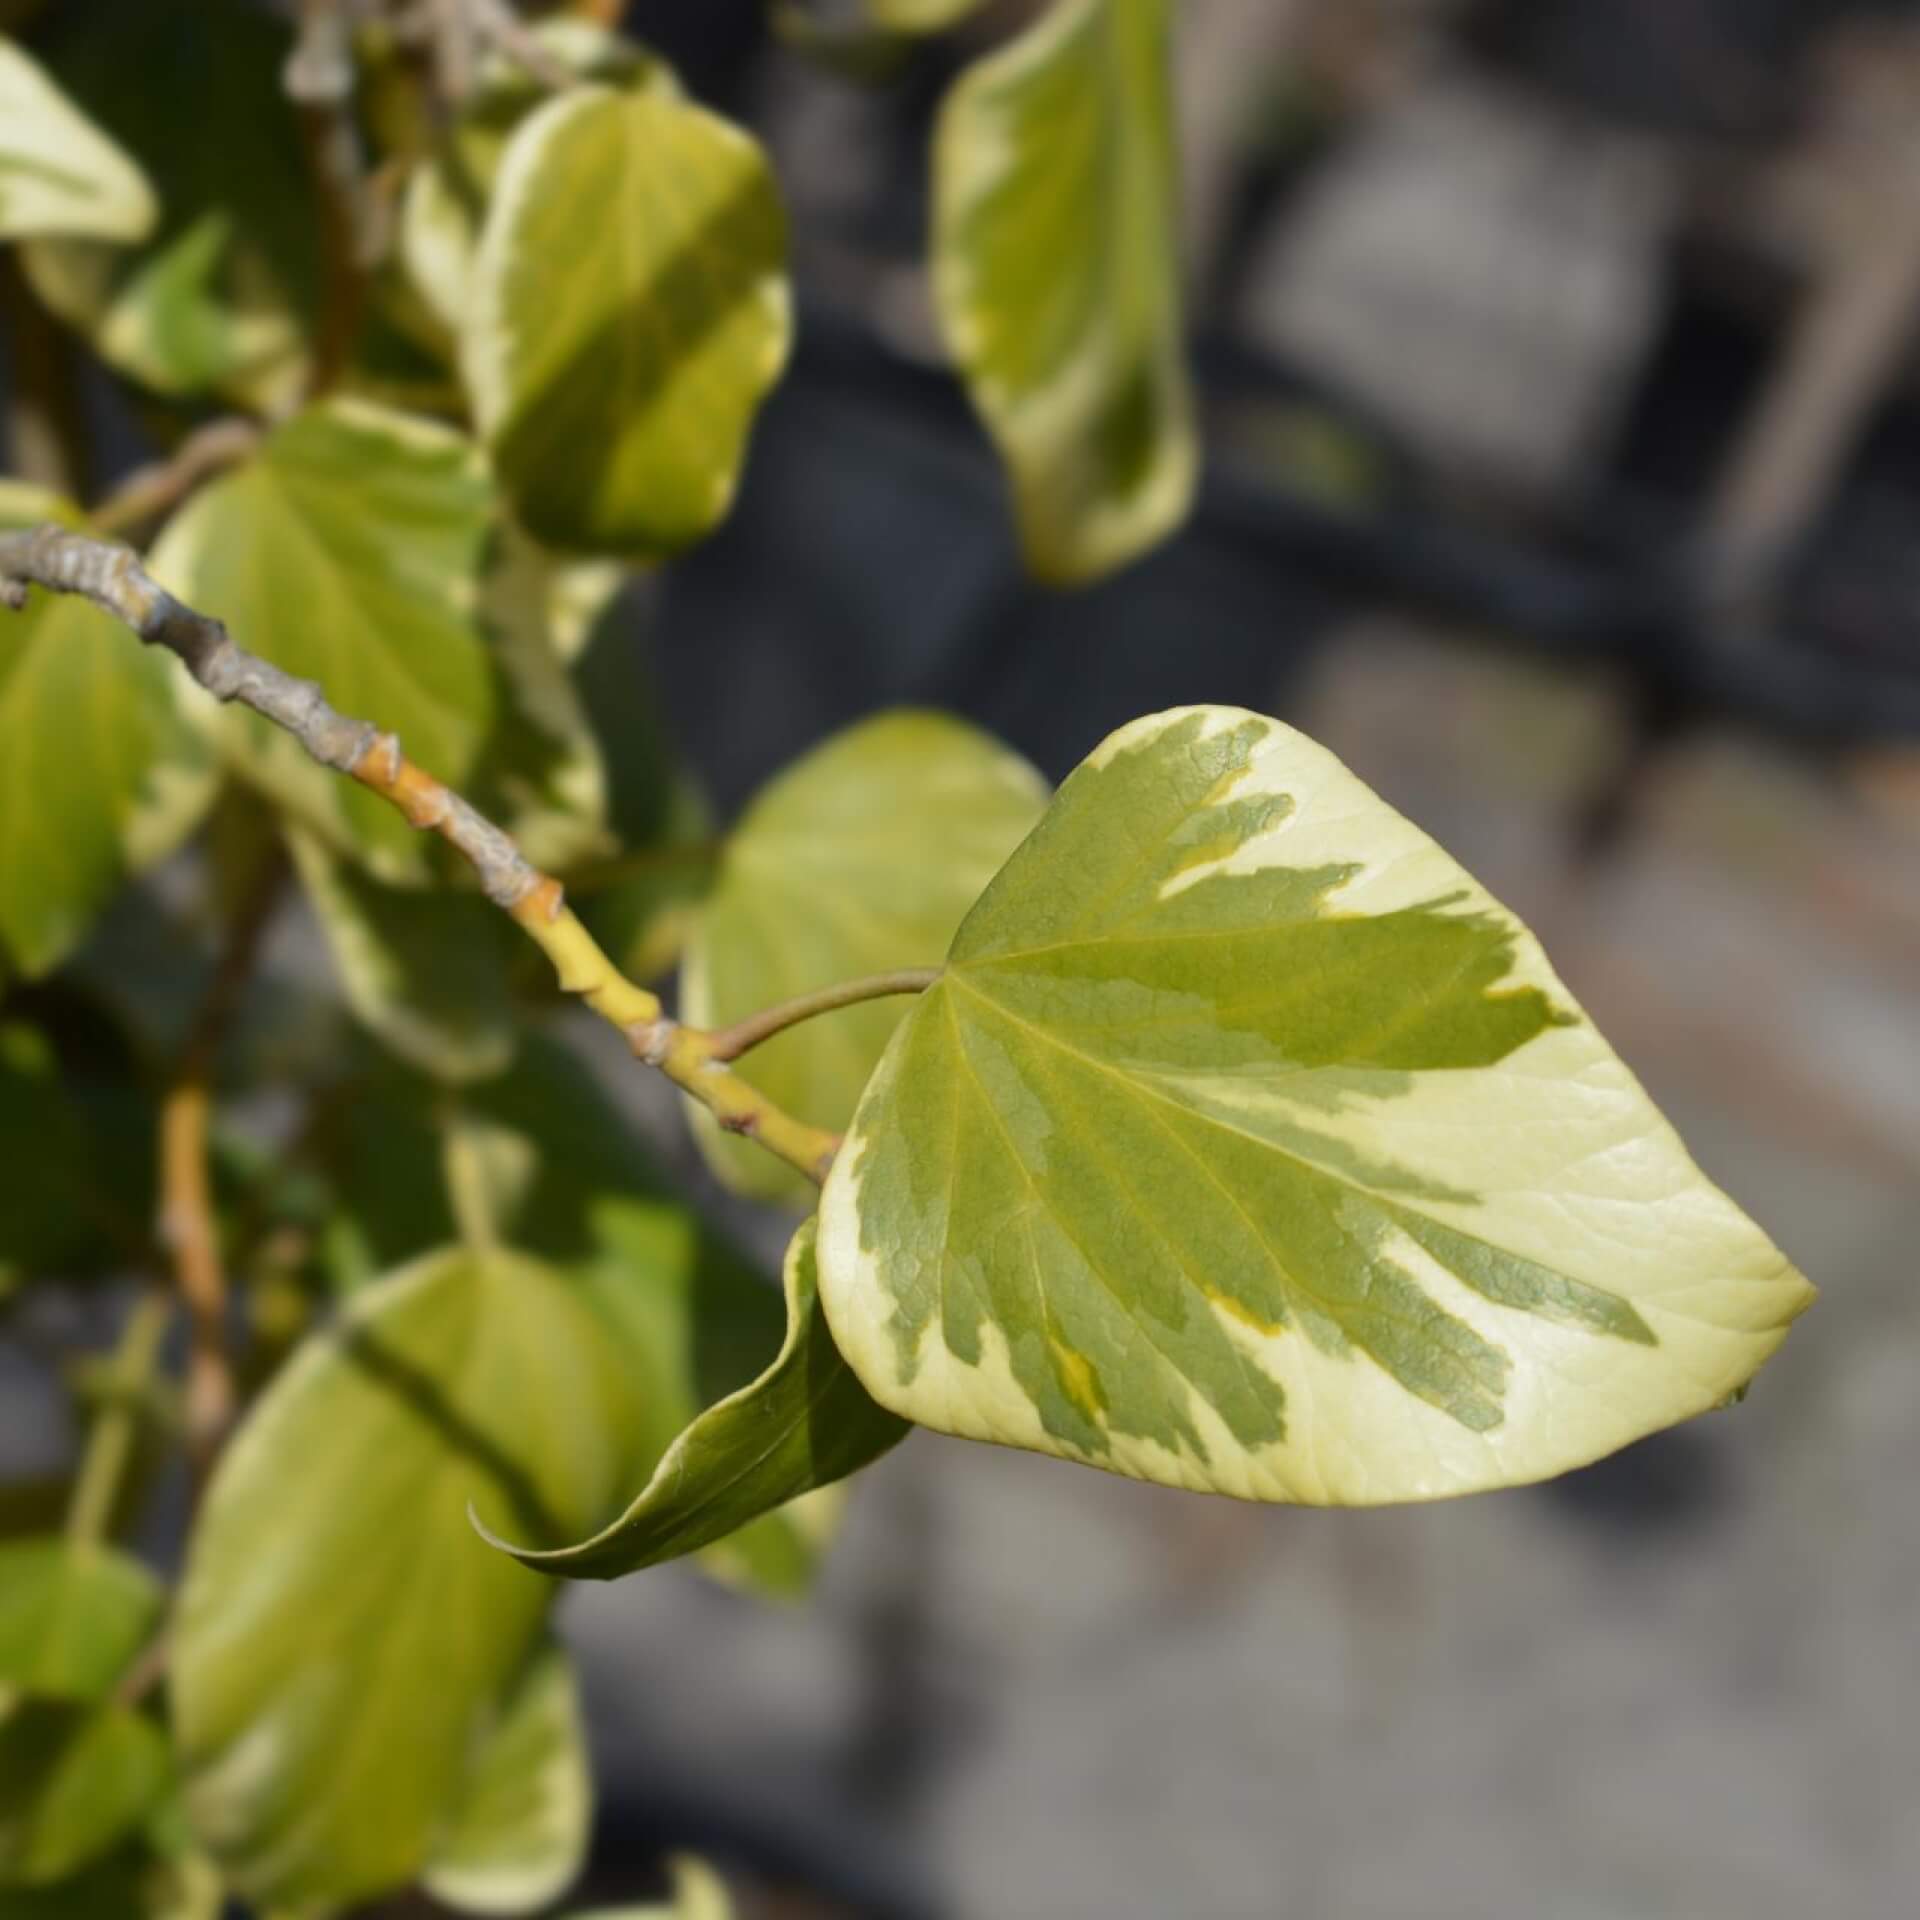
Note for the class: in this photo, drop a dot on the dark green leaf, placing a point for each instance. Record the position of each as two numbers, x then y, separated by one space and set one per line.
222 296
805 1423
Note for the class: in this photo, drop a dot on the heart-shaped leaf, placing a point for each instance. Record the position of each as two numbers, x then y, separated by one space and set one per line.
58 172
805 1423
350 550
343 1637
519 1837
102 773
858 859
629 309
1057 272
1247 1144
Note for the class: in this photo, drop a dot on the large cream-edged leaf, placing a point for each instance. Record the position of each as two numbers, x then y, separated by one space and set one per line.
860 858
629 309
519 1837
1247 1144
99 771
350 550
803 1424
1057 273
58 172
344 1639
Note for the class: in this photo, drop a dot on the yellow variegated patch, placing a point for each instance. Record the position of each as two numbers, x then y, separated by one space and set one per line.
1247 1144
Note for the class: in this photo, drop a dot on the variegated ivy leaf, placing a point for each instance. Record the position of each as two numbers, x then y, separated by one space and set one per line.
804 1423
222 296
343 1639
1248 1145
1057 273
350 550
99 771
58 172
447 194
860 858
429 970
629 309
519 1837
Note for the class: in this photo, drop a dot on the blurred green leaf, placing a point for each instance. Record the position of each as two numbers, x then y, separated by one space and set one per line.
628 310
350 550
860 858
74 1778
221 297
518 1839
805 1423
1057 273
343 1633
104 774
662 852
58 172
73 1617
427 971
545 776
134 1882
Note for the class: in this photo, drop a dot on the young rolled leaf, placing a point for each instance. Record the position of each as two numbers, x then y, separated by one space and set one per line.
103 772
519 1836
805 1423
343 1639
350 550
222 296
1057 273
1246 1144
629 310
58 172
860 858
690 1321
427 971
